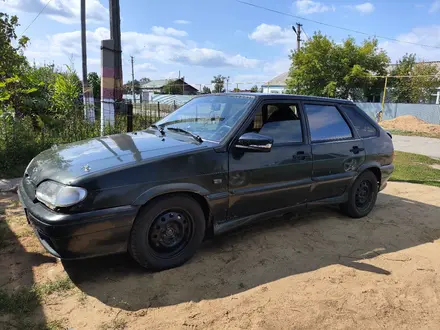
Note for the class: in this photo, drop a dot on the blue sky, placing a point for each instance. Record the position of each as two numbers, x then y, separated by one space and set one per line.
205 38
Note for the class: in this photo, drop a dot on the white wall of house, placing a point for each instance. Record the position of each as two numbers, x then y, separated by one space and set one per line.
274 89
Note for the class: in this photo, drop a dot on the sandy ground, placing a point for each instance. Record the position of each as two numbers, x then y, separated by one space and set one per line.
412 124
318 270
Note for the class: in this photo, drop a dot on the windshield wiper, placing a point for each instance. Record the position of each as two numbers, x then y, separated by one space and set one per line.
160 128
181 130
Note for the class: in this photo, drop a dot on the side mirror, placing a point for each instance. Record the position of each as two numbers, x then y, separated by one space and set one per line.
254 142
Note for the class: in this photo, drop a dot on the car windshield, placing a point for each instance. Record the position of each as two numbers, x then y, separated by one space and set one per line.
209 117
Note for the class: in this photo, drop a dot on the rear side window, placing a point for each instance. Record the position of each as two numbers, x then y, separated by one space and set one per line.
363 127
326 123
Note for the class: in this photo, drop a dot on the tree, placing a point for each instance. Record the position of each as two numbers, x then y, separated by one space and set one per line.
173 87
413 90
219 83
95 83
254 89
324 68
206 90
144 81
137 87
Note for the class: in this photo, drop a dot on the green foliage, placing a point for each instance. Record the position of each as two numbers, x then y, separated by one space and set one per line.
413 90
173 87
94 82
254 89
144 80
66 91
324 68
128 87
219 84
206 90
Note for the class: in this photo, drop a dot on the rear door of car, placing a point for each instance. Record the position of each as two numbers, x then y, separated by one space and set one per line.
337 149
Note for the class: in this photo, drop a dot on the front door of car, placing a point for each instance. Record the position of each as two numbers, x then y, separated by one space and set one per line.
337 150
265 181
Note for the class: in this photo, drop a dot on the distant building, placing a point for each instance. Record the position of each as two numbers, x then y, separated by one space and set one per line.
277 85
157 87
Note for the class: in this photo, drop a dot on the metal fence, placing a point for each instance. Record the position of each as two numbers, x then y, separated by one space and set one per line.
427 112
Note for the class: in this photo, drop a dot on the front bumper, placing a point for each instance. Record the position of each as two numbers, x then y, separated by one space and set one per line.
79 235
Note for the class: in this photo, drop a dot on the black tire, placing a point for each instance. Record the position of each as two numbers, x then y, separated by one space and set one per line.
152 246
357 206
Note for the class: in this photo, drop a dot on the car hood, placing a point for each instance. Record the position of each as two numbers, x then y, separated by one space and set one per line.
69 162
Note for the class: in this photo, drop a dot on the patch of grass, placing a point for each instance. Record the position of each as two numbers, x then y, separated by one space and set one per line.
116 324
415 168
26 300
412 133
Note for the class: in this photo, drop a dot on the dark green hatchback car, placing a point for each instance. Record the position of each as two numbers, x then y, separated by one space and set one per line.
218 162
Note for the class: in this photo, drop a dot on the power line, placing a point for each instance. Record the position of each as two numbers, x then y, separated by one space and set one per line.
335 26
42 9
303 30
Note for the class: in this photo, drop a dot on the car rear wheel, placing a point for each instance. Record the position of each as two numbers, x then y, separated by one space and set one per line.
362 196
167 232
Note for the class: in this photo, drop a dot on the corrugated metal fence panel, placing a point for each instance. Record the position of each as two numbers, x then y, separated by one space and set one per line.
427 112
170 99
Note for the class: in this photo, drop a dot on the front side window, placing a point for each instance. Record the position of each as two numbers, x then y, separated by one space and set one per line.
363 127
210 117
280 121
326 123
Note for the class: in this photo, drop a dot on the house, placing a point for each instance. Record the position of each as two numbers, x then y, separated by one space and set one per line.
179 86
277 85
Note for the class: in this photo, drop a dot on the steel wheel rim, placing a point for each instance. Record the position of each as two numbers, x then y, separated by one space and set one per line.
170 233
364 194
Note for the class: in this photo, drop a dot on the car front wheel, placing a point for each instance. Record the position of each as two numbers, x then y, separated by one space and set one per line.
167 232
362 196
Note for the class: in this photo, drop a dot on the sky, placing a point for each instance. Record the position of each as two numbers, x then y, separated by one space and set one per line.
203 38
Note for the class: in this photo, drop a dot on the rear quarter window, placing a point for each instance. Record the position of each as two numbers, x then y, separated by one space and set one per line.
364 128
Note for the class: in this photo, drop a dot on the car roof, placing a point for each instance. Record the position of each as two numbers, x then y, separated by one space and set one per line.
273 96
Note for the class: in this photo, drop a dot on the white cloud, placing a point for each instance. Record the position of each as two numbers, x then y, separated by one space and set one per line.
435 7
427 35
63 11
181 21
306 7
145 67
161 31
363 8
143 46
272 34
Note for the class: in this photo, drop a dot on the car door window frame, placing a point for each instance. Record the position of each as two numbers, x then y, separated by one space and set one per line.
259 106
354 133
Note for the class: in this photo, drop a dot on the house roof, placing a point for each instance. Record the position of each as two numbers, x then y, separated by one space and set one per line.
157 83
279 80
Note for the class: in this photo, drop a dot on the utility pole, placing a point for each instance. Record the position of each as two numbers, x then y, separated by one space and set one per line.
115 35
86 91
227 84
298 35
132 80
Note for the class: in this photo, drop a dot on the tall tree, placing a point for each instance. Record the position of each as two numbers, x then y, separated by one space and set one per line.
95 83
206 90
324 68
173 87
219 84
254 89
144 81
128 87
422 81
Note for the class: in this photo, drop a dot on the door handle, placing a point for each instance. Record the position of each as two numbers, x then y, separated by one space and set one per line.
300 155
356 150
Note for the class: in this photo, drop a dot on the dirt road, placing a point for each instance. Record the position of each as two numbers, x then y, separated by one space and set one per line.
320 270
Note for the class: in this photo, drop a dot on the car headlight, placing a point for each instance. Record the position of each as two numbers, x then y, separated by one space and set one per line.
54 194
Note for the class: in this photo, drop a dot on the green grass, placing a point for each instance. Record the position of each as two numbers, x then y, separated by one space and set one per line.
26 300
415 168
411 133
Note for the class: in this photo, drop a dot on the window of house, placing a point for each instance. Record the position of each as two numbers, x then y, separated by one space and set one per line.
363 127
326 123
279 121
